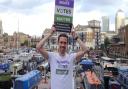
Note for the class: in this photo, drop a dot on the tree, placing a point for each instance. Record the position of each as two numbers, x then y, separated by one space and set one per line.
102 47
26 42
33 46
91 48
5 36
22 44
106 42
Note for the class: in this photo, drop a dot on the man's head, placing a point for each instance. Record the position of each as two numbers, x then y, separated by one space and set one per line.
63 43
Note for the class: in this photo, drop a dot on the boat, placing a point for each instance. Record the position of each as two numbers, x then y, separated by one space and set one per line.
16 67
86 64
108 62
114 84
4 66
28 81
5 78
123 76
91 81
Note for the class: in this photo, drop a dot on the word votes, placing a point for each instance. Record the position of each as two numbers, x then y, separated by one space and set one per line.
64 11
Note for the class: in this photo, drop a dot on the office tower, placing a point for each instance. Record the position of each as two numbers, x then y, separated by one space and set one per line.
119 20
1 28
126 21
105 24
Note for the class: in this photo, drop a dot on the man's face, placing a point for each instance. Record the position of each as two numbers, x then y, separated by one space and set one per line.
63 44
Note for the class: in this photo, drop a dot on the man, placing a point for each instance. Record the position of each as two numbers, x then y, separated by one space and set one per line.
61 63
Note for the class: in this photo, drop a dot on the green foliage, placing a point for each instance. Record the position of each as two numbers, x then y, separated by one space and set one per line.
25 43
33 46
91 48
102 47
5 36
22 44
106 42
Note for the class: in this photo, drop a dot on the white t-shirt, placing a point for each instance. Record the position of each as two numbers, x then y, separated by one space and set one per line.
61 70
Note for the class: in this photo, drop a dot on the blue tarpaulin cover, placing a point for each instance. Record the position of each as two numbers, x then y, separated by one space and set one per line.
4 66
86 64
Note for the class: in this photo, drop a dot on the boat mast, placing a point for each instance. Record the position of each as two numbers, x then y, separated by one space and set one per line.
18 36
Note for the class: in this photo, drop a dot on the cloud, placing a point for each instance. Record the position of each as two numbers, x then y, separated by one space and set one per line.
103 2
3 2
21 6
102 5
42 17
83 17
36 15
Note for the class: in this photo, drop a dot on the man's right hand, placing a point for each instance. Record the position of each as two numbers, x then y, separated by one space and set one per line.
53 29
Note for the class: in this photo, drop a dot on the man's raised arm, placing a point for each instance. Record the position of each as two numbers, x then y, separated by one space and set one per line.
40 45
83 49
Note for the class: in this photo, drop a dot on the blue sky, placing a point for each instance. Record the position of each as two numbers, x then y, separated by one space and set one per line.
34 16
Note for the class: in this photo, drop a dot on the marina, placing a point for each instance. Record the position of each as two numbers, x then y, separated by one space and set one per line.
29 70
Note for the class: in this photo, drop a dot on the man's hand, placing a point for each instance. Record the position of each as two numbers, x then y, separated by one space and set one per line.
40 45
74 34
53 29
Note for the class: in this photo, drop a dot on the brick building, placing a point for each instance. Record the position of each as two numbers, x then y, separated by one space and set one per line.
120 49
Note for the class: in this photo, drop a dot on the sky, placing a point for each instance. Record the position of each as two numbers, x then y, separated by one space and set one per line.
34 16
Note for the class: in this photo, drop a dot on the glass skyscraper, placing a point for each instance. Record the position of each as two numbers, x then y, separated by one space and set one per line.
105 23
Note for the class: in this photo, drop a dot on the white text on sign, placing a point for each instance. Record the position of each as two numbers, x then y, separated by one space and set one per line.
64 2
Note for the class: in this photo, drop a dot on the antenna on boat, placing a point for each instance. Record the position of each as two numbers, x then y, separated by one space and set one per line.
18 35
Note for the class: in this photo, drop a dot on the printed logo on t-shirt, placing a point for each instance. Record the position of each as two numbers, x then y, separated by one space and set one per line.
61 72
62 67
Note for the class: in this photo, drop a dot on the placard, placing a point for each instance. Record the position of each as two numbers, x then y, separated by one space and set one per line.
63 17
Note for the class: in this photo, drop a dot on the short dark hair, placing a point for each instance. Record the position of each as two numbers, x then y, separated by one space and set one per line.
63 35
